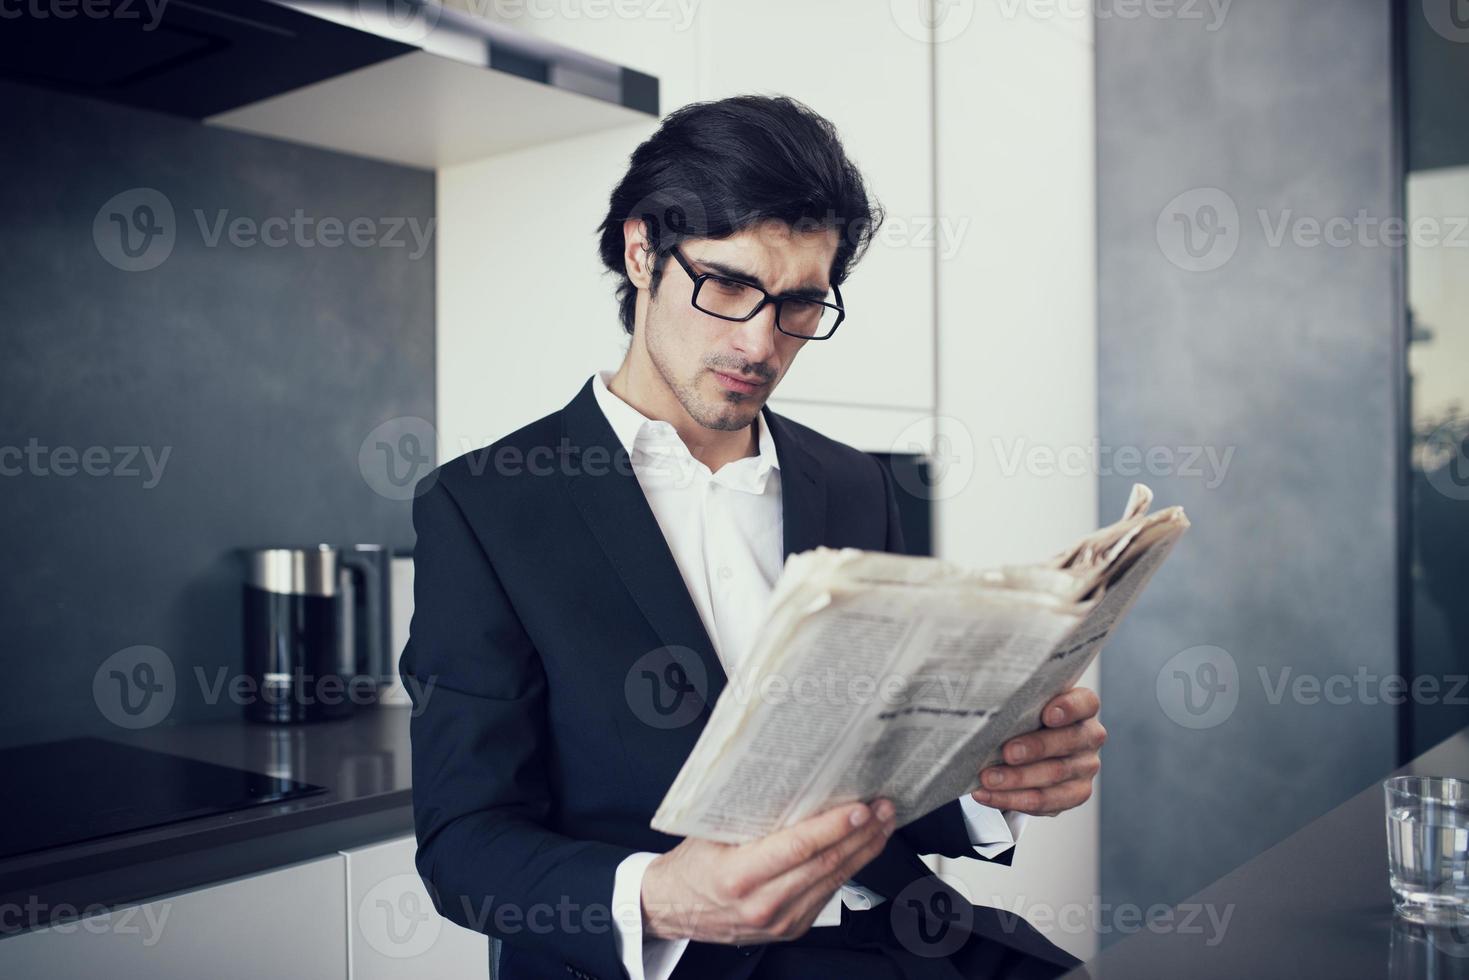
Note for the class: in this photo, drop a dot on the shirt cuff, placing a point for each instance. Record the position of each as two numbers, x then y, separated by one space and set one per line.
831 912
643 959
991 831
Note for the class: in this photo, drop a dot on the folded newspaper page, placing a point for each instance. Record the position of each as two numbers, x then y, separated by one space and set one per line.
880 675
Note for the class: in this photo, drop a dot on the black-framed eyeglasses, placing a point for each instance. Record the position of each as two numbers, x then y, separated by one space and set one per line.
735 299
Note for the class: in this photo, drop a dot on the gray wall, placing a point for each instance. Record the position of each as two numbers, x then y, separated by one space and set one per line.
1284 355
259 369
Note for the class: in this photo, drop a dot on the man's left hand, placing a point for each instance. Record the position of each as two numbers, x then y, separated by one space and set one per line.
1050 770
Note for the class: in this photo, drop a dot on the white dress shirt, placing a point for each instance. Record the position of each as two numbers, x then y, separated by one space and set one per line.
726 533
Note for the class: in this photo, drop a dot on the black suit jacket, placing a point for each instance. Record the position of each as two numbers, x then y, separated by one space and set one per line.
541 579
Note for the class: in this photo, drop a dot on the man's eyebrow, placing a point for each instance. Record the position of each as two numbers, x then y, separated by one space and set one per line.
815 292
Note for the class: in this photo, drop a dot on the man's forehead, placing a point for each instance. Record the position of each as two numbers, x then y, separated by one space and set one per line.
778 256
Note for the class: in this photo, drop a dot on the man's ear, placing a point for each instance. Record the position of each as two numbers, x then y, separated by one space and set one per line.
637 255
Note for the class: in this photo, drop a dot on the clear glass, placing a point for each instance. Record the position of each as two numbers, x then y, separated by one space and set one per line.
1428 848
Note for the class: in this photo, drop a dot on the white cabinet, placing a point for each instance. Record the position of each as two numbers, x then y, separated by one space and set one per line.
867 69
525 313
285 923
394 930
356 915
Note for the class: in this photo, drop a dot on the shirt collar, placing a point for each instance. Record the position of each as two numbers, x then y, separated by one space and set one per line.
635 430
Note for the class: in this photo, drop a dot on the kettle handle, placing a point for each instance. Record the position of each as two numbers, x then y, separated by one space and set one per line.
370 610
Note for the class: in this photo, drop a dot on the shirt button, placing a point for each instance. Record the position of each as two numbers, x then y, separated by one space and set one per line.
725 572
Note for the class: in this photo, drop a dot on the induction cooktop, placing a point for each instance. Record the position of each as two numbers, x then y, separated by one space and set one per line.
81 789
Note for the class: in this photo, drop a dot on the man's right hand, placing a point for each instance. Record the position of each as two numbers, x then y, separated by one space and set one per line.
768 890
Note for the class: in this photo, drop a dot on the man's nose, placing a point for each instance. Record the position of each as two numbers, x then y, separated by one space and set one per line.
755 338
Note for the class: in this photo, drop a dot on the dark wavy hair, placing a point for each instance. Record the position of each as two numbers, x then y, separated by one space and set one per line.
715 168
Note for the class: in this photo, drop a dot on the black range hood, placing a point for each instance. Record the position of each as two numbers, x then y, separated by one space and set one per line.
268 67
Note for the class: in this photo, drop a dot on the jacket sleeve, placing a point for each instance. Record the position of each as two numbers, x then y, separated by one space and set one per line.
944 830
479 750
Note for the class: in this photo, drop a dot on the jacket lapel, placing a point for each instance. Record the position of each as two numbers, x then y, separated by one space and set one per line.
605 490
612 503
802 487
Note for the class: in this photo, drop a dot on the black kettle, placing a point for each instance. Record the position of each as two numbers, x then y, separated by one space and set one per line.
317 629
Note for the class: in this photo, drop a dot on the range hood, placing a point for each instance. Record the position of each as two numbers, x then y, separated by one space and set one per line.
398 80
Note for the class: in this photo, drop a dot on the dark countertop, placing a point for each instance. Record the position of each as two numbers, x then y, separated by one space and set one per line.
1315 905
363 761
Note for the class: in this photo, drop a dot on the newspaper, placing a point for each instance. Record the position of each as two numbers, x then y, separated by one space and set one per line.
880 675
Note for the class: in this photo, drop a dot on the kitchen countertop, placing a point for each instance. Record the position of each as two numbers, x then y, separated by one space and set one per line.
363 761
1315 905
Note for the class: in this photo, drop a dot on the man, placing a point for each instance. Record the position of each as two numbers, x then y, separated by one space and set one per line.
635 536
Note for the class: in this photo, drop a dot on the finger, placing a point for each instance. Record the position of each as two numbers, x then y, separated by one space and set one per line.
1040 802
1047 772
835 860
1068 707
774 854
1052 743
806 890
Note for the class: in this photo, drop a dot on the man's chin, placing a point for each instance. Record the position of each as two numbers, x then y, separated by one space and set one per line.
729 414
